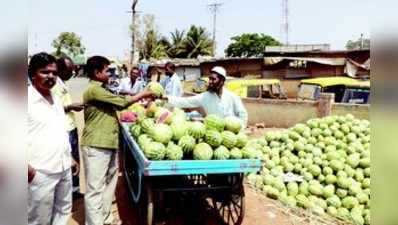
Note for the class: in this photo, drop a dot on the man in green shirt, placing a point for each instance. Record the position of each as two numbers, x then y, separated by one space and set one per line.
100 141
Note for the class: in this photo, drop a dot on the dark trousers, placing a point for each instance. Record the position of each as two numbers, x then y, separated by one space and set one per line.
74 143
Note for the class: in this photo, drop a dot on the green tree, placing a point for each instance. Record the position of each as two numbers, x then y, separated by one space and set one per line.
358 44
250 44
154 46
197 42
176 46
150 43
68 44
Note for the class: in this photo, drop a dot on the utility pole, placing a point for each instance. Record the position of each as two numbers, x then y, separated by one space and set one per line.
133 32
285 22
361 41
214 9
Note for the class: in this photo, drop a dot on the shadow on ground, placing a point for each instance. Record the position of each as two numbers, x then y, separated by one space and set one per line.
177 209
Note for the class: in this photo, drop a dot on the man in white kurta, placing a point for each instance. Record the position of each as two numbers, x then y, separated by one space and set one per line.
48 153
217 100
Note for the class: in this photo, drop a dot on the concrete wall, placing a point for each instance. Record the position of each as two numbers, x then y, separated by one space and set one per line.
286 113
189 73
359 111
279 113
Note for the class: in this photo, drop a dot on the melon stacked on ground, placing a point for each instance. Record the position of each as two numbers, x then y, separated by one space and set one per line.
323 165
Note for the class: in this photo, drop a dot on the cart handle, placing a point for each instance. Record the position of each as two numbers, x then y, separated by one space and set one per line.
135 194
136 197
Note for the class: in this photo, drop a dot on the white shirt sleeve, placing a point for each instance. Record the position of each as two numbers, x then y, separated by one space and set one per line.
186 102
240 111
173 86
176 87
124 83
163 82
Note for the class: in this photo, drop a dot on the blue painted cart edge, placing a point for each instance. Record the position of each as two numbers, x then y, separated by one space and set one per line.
185 167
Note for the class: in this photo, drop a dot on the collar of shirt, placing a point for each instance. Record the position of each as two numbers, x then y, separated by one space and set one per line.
168 78
97 83
164 81
137 80
48 141
34 95
175 77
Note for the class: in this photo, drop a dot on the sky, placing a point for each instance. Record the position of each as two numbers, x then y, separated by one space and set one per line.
103 24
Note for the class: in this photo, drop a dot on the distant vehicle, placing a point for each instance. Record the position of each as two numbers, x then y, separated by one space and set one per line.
248 88
345 89
358 93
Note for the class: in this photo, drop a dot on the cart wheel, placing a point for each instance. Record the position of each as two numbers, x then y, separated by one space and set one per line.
231 207
146 208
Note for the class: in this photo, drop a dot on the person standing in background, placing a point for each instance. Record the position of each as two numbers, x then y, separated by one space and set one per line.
113 81
65 68
132 85
124 71
172 83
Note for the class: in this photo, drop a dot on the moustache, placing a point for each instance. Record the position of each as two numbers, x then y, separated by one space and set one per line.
49 82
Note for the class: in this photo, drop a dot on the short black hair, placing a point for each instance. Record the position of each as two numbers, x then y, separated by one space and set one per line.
170 65
61 63
95 63
39 61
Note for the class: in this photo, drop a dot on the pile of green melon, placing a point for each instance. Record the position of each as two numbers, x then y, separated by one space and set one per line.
166 135
322 165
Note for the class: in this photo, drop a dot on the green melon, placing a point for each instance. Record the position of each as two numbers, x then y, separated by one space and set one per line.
187 143
214 122
221 153
241 140
197 130
202 151
229 139
233 124
213 138
174 152
156 88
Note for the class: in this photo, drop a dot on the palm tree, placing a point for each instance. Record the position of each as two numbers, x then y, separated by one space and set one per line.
153 46
176 49
161 49
197 42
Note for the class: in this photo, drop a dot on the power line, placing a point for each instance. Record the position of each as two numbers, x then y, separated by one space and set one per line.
214 8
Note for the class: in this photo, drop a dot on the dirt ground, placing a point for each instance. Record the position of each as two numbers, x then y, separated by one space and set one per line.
259 209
